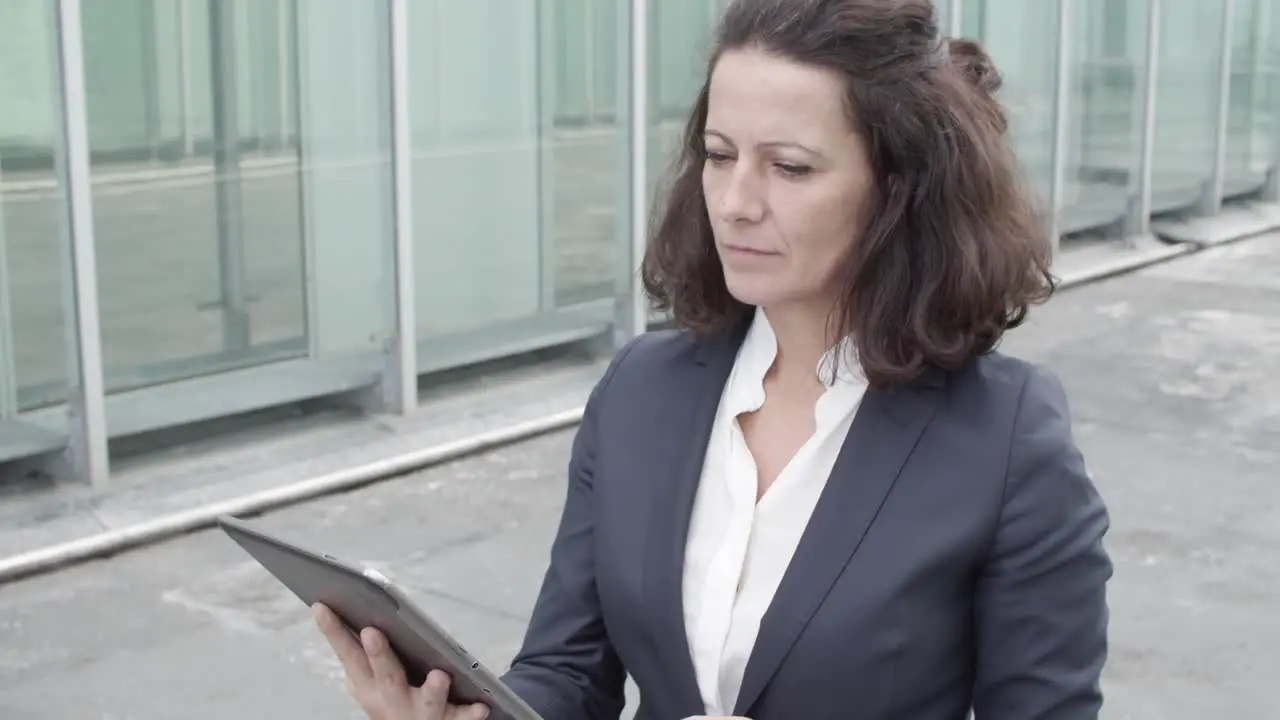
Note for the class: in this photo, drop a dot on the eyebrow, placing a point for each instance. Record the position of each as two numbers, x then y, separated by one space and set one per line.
768 144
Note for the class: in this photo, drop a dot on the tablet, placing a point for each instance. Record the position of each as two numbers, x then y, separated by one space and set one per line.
365 598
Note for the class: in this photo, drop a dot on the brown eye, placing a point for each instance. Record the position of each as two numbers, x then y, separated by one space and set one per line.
793 169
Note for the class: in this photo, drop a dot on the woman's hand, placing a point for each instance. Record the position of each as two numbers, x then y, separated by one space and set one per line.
376 679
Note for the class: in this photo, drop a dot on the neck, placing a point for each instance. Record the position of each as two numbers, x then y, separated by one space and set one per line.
804 336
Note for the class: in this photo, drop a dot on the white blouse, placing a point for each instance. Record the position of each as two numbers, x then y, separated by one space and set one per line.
738 549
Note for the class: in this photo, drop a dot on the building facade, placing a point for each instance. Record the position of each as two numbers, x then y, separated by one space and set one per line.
213 206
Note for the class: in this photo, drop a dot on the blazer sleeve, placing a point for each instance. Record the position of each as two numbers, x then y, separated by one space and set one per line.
1040 608
567 669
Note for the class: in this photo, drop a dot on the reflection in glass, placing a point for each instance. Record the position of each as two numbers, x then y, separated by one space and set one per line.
1021 38
516 172
1186 101
197 206
1108 59
344 119
582 173
942 15
33 334
1251 113
680 39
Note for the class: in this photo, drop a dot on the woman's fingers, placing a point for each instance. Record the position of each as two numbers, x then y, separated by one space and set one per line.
376 678
386 666
477 711
433 697
434 693
349 651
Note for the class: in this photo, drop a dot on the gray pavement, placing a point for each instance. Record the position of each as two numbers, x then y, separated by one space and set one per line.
1174 378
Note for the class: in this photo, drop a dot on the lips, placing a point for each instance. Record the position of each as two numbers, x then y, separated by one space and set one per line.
745 250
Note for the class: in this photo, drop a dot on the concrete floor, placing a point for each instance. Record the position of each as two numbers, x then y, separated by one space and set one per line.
1174 378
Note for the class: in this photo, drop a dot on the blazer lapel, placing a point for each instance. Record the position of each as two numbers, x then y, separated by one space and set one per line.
884 432
676 472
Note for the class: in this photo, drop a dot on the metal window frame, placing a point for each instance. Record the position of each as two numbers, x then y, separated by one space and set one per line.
1215 188
1271 189
87 423
545 97
8 374
186 103
955 18
632 316
233 295
1138 221
399 385
1061 118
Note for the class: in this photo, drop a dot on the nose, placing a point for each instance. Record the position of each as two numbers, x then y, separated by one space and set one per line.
742 195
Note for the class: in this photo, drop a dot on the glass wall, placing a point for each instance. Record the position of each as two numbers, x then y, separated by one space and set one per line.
243 195
1021 38
1252 130
342 132
516 171
33 261
205 176
681 33
1104 120
583 179
197 189
1186 100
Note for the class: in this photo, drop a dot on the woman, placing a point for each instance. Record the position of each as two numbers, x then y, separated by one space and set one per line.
826 495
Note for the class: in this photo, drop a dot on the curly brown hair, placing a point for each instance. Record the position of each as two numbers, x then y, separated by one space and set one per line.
954 249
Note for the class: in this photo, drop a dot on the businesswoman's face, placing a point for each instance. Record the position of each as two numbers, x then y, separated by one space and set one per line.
784 178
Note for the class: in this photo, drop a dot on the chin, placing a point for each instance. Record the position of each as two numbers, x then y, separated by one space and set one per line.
753 290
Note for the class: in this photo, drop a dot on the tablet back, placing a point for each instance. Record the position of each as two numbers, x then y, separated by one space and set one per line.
364 598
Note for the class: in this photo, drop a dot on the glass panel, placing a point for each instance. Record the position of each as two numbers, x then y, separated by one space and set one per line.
680 36
1186 101
942 15
33 340
1105 110
516 169
1251 127
342 88
1021 38
573 50
583 172
610 56
973 18
197 205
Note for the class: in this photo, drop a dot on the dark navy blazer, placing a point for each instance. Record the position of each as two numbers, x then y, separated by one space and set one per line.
954 560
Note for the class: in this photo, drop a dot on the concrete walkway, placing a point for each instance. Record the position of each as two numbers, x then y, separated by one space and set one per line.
1174 376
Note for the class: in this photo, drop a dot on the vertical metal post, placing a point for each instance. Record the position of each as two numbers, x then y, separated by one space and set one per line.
546 40
639 165
152 113
87 422
633 309
955 18
284 51
1259 51
184 77
1271 190
226 164
1211 201
293 123
8 379
1138 221
1061 120
589 50
400 384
